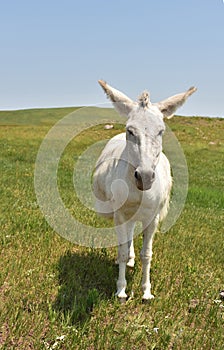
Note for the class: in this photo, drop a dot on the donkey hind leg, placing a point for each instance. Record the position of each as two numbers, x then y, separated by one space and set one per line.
131 251
146 257
123 228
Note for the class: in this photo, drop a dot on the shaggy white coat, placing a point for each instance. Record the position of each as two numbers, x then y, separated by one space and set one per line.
132 180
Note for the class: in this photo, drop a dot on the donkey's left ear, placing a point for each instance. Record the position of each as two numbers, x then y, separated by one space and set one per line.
171 104
121 102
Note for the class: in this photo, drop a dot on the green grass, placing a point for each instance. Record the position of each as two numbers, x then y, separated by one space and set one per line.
56 295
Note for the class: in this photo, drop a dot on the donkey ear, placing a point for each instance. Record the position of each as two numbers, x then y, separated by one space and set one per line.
170 105
121 102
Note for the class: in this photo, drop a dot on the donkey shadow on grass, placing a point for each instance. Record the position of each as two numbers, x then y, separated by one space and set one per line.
86 278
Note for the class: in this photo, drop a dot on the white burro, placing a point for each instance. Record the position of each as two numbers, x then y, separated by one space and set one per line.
132 180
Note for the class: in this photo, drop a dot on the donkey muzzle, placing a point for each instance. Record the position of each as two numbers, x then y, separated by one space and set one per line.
144 178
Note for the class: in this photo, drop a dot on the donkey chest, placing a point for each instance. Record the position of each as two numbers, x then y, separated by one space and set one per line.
140 205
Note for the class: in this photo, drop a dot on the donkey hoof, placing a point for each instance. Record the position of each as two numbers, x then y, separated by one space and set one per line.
146 301
147 298
131 262
122 300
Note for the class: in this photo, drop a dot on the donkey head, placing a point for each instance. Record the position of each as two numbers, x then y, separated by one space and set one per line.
144 129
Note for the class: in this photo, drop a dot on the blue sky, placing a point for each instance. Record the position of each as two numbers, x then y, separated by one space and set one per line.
53 52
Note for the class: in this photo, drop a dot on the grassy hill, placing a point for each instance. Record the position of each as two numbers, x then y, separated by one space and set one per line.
57 295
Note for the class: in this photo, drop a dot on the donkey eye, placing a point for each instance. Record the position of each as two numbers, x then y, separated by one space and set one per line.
130 132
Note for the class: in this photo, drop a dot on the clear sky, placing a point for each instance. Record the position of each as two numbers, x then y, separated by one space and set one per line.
53 52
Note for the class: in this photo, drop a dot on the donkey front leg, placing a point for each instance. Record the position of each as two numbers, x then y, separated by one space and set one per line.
123 229
146 257
122 260
131 250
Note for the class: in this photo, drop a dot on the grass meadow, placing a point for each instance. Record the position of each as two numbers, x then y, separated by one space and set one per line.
57 295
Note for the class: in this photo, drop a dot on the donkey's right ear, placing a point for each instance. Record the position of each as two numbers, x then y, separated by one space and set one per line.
121 102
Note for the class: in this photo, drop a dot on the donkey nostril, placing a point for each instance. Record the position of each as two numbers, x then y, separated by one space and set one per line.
153 175
137 175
